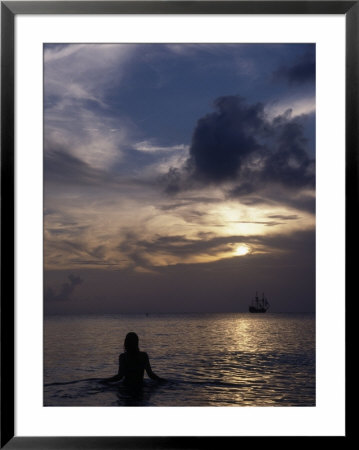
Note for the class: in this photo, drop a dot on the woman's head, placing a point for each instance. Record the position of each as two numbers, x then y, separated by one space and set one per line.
131 342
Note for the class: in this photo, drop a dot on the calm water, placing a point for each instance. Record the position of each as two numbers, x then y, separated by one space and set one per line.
208 360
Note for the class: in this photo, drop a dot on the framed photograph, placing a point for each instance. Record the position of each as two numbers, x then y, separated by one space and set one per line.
176 183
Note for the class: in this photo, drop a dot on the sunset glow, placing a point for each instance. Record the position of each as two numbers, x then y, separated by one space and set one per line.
164 169
242 250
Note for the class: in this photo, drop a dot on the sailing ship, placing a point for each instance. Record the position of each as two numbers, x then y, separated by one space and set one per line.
259 305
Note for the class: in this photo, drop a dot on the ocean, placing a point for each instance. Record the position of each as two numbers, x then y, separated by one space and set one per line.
237 359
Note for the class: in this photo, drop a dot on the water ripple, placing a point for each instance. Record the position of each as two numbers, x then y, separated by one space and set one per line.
208 360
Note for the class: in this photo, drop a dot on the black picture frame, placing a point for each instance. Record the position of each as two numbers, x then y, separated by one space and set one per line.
9 9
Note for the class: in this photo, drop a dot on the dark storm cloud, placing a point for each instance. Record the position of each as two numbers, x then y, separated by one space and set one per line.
66 290
221 140
301 72
238 143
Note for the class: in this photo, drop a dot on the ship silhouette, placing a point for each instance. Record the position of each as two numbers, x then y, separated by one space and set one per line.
259 305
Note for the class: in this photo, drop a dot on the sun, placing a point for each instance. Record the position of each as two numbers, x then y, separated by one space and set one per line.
242 250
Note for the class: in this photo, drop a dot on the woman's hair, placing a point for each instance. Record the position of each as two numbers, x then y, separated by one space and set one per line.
131 343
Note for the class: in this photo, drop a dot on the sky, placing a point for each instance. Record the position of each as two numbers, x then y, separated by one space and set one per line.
178 177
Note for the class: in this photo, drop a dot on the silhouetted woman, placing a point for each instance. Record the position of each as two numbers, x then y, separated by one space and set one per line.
133 363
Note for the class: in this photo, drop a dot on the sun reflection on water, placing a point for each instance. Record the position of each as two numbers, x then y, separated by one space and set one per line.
209 359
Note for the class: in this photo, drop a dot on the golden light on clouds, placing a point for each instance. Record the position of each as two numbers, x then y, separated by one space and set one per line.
133 233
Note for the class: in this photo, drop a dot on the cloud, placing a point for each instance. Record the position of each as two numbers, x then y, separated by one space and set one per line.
87 134
63 168
175 180
303 200
240 147
66 290
302 72
283 217
222 139
77 111
270 223
289 164
149 147
299 105
162 250
191 201
81 72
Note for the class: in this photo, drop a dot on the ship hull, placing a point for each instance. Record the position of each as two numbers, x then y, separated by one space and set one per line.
253 309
